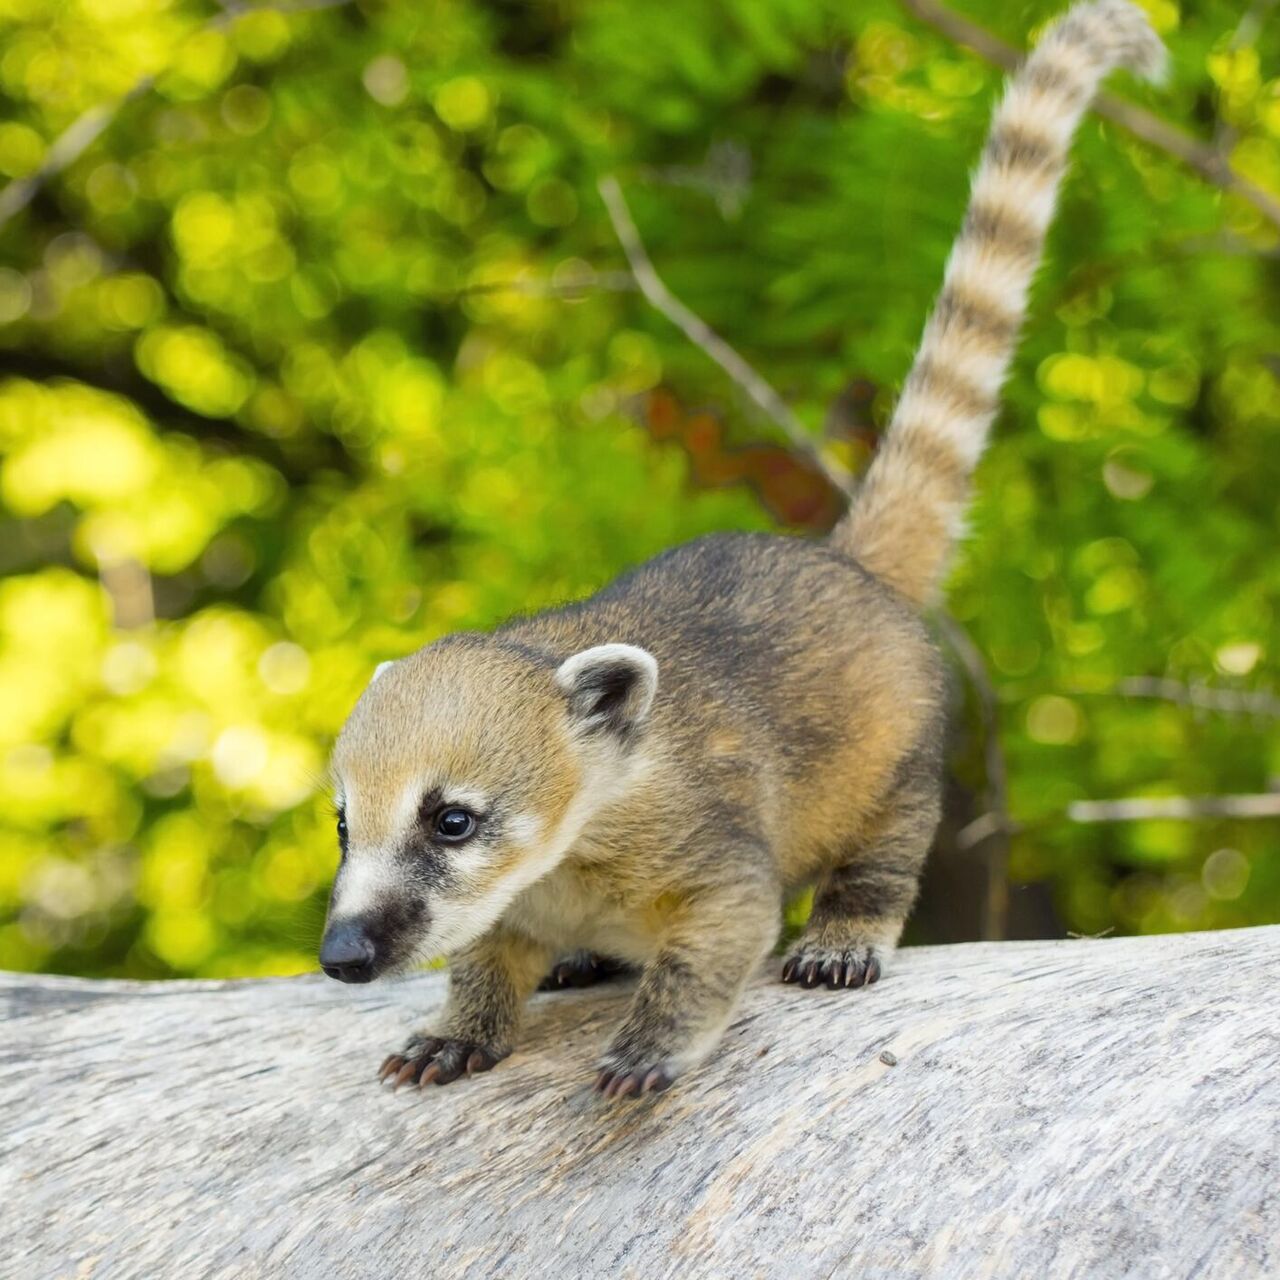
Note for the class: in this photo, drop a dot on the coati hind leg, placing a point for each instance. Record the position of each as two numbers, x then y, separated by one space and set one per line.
861 905
583 969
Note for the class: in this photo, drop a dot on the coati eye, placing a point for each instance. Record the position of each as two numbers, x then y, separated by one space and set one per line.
455 824
342 829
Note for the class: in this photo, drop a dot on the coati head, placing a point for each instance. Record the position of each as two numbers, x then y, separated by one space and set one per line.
464 774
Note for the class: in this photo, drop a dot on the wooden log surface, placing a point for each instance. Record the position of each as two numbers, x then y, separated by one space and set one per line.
1048 1109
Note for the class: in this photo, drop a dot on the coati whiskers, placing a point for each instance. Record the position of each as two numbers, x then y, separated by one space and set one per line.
646 773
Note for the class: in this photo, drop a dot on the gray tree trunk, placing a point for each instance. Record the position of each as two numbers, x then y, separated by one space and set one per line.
1092 1109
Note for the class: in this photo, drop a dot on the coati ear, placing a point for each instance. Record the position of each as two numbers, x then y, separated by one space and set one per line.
378 670
609 687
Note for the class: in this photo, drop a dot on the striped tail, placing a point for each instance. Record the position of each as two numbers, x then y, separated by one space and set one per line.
910 507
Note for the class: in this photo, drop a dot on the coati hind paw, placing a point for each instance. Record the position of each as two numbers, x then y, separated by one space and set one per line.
856 966
437 1060
582 969
632 1081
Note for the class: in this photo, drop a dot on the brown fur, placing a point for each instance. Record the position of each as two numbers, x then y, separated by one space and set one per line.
653 769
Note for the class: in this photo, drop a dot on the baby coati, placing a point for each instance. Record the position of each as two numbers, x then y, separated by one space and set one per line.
647 773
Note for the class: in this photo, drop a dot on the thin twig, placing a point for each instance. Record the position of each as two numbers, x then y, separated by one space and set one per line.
1196 696
66 149
710 343
1246 33
996 797
87 127
1251 24
1231 701
1132 809
983 828
1200 156
1176 808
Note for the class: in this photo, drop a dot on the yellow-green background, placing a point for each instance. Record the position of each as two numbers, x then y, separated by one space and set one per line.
296 373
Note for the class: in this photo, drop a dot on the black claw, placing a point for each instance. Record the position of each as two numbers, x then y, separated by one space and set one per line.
657 1081
435 1061
480 1060
625 1086
845 969
620 1084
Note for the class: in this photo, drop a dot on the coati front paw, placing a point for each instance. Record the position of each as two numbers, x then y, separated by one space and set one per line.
854 966
437 1060
634 1071
582 969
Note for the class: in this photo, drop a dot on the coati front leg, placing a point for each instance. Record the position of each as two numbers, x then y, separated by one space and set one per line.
688 990
489 983
860 906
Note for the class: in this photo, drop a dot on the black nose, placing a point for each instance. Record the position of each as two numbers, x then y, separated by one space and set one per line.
347 953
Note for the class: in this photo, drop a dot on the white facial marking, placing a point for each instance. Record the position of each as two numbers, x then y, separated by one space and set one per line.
523 828
406 810
457 923
366 882
465 798
410 799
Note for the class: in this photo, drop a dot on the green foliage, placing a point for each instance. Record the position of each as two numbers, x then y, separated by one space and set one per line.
313 356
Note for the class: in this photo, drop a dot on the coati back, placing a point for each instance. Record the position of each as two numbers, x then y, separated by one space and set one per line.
645 774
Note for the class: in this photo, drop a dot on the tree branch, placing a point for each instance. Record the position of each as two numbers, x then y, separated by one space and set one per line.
1080 1109
1199 156
710 343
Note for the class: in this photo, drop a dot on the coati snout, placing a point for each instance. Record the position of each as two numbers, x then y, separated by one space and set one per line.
347 952
359 948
